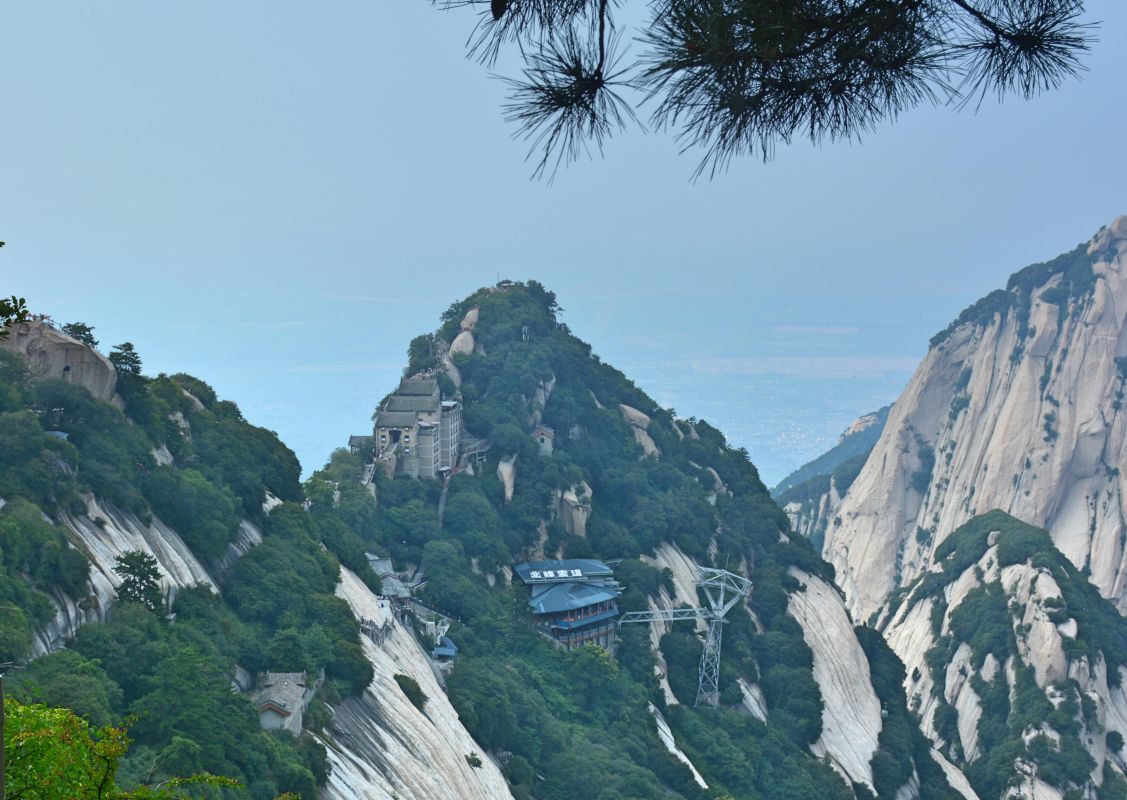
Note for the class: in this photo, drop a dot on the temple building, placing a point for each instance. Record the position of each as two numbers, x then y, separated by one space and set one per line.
573 600
282 698
417 431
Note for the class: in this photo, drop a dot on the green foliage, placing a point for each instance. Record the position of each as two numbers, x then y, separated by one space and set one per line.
985 621
205 516
1076 282
125 359
285 585
921 478
176 680
1114 787
248 460
35 559
12 310
847 471
750 759
140 580
54 755
82 332
808 492
66 678
279 610
959 404
422 354
113 455
410 687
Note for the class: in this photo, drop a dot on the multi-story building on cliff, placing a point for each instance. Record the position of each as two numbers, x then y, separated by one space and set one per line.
573 601
417 431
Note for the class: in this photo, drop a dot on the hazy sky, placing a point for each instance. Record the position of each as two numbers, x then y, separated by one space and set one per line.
276 196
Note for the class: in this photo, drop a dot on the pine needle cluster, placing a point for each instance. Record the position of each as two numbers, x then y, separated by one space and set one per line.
739 77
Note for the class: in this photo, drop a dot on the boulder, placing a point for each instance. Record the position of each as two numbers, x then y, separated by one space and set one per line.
50 353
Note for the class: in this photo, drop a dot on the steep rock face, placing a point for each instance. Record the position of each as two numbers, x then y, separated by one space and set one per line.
572 507
812 494
640 424
463 344
856 440
683 569
999 630
811 516
1017 406
666 735
52 354
104 532
380 746
507 474
851 718
539 399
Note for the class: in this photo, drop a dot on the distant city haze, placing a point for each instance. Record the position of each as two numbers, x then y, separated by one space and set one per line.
277 196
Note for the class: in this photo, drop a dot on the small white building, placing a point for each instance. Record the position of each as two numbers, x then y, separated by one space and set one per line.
544 437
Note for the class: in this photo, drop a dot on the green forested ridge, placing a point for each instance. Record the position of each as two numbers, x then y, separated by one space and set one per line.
277 610
1076 281
576 723
849 449
989 622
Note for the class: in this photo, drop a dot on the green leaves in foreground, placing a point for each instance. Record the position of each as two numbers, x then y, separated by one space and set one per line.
54 755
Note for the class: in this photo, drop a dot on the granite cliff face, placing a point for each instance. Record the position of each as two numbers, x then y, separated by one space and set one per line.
382 746
1018 406
812 494
50 353
1010 651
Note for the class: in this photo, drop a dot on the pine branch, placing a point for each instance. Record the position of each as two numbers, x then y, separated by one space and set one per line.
739 77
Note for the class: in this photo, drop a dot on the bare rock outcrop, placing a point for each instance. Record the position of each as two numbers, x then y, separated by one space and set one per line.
811 516
640 425
851 717
103 533
1031 612
380 745
684 573
50 353
539 399
463 344
572 507
507 474
1019 406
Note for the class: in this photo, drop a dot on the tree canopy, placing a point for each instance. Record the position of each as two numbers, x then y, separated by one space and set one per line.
82 332
738 77
126 359
140 580
12 309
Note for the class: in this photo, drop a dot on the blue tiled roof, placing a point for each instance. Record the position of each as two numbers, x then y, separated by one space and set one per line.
568 569
560 597
446 649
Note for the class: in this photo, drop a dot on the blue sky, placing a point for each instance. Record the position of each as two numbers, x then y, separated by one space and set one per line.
276 196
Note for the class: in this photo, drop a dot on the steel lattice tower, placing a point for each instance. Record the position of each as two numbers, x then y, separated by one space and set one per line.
723 590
